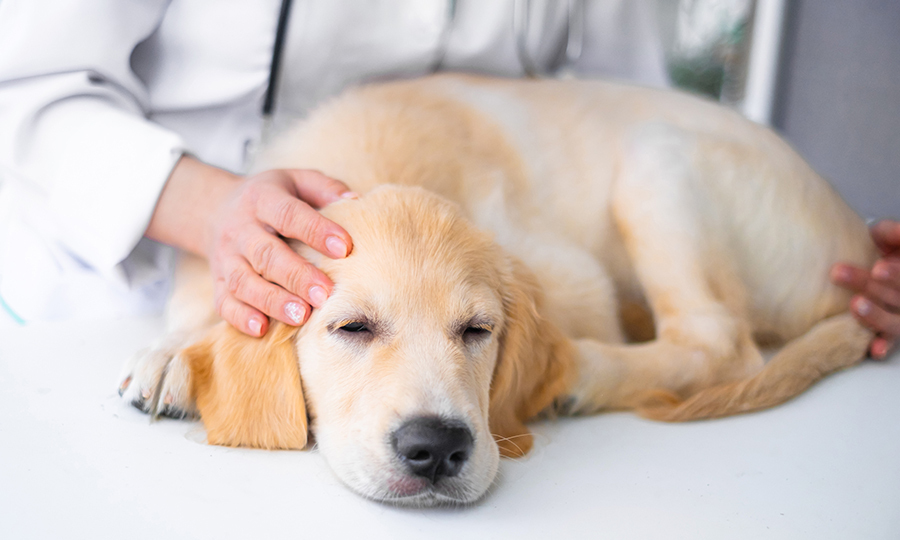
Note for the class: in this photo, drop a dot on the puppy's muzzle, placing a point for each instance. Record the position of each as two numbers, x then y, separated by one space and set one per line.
432 448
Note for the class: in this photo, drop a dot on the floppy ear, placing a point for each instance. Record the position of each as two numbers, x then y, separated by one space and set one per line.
248 389
534 364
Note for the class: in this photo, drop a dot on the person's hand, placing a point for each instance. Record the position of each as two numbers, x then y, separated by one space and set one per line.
877 300
254 271
236 224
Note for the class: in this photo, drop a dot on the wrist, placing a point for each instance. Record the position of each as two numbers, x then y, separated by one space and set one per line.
188 204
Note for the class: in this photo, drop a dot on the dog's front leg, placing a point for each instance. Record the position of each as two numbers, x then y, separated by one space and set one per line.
157 379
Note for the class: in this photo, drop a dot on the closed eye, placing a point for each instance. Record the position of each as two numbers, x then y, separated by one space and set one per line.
353 327
355 330
476 332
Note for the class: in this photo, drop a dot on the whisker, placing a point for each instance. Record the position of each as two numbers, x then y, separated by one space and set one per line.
500 439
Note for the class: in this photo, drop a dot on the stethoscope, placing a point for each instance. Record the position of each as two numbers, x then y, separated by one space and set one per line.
521 10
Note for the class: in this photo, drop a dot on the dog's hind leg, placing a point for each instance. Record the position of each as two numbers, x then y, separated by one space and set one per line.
615 377
835 343
703 336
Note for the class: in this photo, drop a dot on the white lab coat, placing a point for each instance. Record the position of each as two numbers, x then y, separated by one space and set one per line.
100 98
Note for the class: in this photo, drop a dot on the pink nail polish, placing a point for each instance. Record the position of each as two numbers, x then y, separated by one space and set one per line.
336 247
255 326
349 195
880 271
317 296
863 307
295 312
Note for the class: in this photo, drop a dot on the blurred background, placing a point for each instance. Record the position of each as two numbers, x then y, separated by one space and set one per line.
834 73
825 74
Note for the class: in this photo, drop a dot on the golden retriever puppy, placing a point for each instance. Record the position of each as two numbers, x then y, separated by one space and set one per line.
522 246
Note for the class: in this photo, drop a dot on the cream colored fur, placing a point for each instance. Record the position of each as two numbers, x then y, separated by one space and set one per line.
580 213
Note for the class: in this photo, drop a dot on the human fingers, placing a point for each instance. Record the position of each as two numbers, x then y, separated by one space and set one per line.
887 273
272 259
878 303
849 277
245 284
883 295
886 235
317 189
881 347
881 284
875 317
294 218
884 290
238 314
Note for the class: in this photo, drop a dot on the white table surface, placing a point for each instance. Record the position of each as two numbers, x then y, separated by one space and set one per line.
76 462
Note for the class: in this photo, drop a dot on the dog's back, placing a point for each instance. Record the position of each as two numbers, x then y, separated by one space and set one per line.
544 169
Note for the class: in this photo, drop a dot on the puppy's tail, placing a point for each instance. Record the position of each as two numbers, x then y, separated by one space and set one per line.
833 344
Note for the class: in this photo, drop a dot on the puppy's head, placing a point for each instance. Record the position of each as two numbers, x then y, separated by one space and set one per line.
419 370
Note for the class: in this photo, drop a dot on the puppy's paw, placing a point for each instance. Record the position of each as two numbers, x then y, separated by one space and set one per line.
158 381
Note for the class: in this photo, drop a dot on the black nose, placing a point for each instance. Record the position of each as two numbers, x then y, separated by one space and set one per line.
432 448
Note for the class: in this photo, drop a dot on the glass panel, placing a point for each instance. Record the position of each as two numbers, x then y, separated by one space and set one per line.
707 44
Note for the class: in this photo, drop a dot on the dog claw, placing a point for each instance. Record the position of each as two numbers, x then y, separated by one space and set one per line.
124 385
155 409
146 388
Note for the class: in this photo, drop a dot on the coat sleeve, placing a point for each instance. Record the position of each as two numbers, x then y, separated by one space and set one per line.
74 140
81 168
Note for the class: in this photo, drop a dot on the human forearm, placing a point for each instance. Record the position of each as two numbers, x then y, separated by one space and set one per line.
190 199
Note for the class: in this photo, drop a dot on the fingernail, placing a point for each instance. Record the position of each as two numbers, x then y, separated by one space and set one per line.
295 312
336 247
863 307
842 273
255 326
880 271
349 195
317 296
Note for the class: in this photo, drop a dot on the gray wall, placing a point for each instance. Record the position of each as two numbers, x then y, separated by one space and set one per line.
839 97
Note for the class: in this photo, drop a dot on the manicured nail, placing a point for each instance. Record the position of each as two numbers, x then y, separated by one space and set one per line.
317 296
336 247
255 326
349 195
863 307
295 312
881 271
